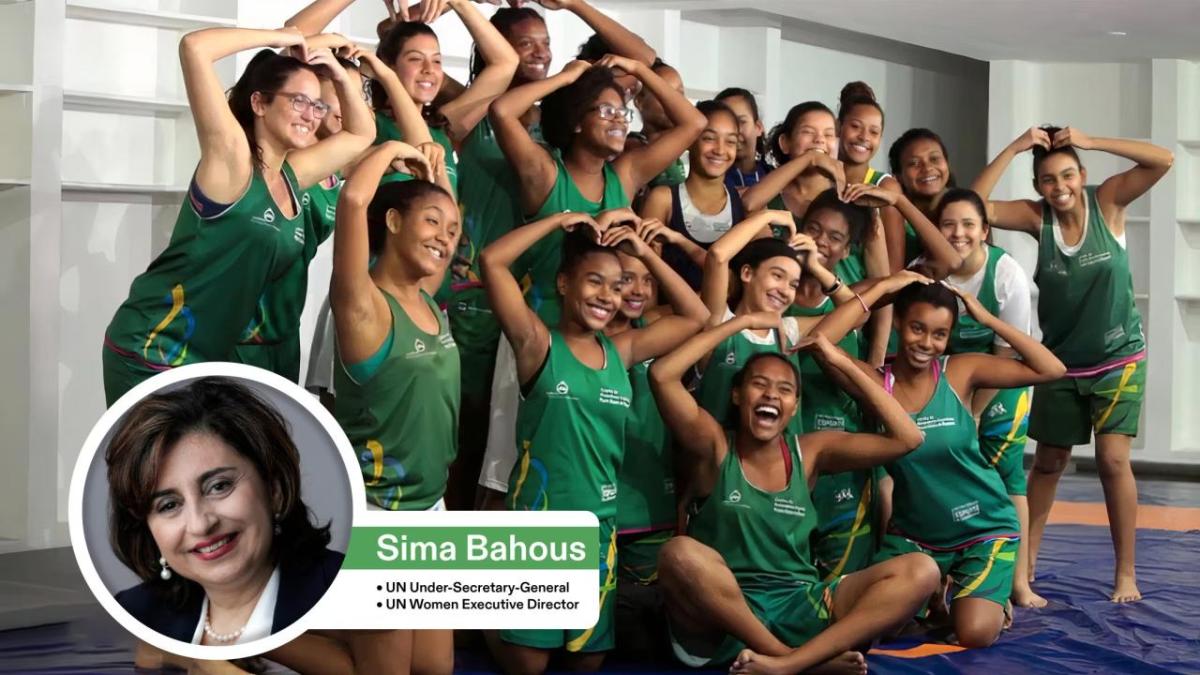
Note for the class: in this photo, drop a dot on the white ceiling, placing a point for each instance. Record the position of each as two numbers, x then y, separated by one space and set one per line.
1034 30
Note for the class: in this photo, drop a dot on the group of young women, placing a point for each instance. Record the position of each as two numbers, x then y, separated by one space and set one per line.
793 388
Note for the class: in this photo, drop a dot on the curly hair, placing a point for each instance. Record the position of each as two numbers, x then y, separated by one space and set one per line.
1040 154
564 109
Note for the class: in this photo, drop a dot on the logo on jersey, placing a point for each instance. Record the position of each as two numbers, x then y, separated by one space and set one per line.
1088 259
730 358
785 506
562 389
972 333
844 495
1114 335
418 346
298 235
608 492
305 199
418 351
931 422
997 410
734 497
614 397
822 421
965 511
267 218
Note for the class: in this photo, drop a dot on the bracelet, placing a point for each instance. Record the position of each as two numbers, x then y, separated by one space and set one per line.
837 284
862 302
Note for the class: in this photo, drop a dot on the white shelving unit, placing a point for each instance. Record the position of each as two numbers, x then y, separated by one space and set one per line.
125 16
126 105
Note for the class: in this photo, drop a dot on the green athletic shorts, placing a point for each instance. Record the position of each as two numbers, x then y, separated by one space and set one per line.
981 570
1068 410
598 638
638 554
1002 436
794 612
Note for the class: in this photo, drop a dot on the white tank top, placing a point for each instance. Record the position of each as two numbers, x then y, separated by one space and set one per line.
703 227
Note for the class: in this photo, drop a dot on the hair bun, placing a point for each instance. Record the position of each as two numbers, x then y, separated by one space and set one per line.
856 90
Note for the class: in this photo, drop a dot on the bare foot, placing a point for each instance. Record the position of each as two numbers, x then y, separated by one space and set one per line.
1125 589
848 663
1023 596
1008 615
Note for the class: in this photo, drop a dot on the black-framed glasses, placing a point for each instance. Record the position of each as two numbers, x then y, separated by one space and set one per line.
612 112
302 103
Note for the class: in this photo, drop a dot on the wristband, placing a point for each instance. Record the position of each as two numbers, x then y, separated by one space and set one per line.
837 284
862 302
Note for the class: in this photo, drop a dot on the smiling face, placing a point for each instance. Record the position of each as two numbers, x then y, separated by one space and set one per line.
531 41
604 137
861 132
211 514
924 331
925 170
280 120
640 288
815 129
1060 181
772 285
427 234
767 397
419 67
962 225
715 150
749 129
831 232
592 291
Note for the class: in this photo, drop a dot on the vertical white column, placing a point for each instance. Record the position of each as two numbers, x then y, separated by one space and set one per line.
1161 408
46 526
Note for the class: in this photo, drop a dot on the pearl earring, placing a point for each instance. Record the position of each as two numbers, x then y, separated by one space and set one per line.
278 527
165 574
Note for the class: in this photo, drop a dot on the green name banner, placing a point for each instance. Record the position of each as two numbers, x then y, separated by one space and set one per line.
473 548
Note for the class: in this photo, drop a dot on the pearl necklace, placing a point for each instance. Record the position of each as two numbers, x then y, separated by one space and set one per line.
223 637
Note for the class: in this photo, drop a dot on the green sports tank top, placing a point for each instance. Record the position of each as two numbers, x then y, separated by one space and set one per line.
1086 306
763 536
195 300
646 482
403 421
538 267
716 383
571 433
386 130
969 335
947 495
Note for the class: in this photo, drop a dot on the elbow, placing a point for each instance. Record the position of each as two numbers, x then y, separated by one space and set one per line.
1058 372
189 45
1168 160
912 437
498 109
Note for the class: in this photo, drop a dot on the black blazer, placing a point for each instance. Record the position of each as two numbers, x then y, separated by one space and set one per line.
300 588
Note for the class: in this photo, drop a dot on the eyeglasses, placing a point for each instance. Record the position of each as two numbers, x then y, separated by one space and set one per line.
612 112
302 103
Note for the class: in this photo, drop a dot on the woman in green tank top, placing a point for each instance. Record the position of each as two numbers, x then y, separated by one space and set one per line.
743 577
575 404
1000 285
584 122
804 147
242 225
948 501
1088 318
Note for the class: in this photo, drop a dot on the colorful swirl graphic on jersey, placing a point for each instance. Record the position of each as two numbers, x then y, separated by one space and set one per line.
382 475
541 502
171 354
252 334
609 585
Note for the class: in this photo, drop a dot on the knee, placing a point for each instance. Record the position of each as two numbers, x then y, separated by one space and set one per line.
1109 466
922 574
976 635
679 559
1051 460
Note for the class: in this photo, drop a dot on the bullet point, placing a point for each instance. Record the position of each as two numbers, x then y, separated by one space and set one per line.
379 588
379 604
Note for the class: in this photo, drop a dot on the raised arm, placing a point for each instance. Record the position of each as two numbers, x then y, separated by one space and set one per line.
761 193
683 299
836 451
941 256
656 209
318 161
715 289
1021 215
694 428
1151 164
838 323
638 166
360 312
534 166
1036 363
620 39
529 336
316 16
470 107
226 160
